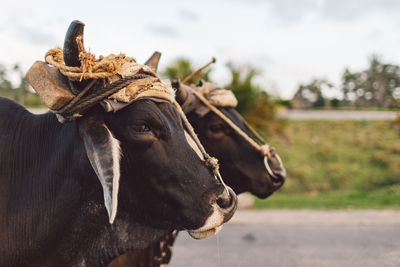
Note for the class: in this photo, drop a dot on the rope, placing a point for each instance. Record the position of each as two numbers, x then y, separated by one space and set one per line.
98 70
76 99
210 162
83 102
265 149
108 90
91 68
106 68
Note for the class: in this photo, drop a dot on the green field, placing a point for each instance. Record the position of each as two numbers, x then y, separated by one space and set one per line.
338 164
380 199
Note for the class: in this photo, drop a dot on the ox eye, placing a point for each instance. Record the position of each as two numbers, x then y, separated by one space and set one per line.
140 128
215 128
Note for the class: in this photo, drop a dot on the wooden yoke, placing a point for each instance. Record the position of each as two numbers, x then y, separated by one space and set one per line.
50 84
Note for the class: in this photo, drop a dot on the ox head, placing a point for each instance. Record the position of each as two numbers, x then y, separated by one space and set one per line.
146 166
242 164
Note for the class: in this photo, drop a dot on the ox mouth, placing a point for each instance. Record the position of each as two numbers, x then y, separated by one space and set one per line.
264 195
196 234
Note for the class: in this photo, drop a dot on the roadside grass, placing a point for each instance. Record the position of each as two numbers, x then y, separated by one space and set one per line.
338 164
383 199
357 109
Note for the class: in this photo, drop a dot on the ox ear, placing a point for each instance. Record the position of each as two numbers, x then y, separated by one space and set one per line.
153 61
103 151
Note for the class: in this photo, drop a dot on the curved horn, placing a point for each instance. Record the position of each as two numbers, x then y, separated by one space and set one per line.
71 49
181 93
184 96
153 61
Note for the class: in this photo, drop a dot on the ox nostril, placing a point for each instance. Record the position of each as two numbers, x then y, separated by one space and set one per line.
227 204
225 200
278 180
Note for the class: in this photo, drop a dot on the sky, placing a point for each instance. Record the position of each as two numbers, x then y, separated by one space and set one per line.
289 41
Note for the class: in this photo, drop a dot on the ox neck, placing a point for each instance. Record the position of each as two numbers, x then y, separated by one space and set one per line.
50 181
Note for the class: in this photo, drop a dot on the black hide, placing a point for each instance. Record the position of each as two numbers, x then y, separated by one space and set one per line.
51 203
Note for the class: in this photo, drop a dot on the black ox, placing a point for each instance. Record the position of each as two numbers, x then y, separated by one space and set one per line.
51 202
241 164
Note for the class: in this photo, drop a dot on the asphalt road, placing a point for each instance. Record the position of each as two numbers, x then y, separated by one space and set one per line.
337 115
297 238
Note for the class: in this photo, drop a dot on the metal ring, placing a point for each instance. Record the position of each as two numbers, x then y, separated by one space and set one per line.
283 173
279 161
270 171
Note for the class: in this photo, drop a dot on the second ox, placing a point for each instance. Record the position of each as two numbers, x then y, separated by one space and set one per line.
246 168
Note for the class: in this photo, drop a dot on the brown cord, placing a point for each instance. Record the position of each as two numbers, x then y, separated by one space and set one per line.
105 68
90 68
83 102
210 162
264 149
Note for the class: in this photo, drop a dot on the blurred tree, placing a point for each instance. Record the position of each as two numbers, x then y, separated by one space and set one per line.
245 91
254 103
335 102
21 93
377 86
287 103
181 68
311 95
6 88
